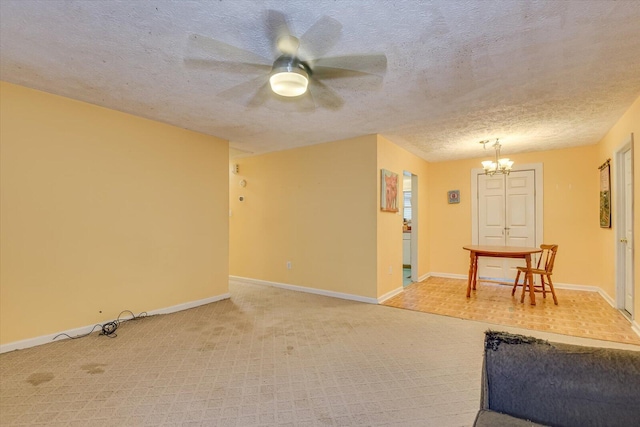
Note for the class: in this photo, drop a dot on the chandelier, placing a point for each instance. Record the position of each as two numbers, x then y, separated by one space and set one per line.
491 167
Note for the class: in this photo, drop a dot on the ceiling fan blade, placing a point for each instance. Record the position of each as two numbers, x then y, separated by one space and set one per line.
321 37
246 89
365 81
261 96
257 91
370 64
299 104
278 32
324 96
305 103
328 73
221 49
230 67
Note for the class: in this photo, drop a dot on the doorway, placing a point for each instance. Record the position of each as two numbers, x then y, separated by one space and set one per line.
506 211
624 228
409 228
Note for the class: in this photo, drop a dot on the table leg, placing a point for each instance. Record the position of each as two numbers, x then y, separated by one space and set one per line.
532 295
475 271
471 273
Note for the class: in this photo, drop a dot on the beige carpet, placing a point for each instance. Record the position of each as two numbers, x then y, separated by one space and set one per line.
266 357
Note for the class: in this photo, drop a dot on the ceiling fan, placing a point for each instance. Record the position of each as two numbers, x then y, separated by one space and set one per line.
296 74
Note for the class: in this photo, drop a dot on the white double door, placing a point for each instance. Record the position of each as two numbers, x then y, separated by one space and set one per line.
506 217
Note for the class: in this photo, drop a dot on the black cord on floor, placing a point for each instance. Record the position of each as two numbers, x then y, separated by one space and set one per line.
108 329
78 336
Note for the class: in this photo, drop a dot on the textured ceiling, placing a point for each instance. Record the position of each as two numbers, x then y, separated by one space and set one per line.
537 74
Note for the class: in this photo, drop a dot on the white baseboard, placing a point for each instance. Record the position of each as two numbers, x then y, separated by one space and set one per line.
636 327
447 275
296 288
396 291
424 277
390 294
188 305
45 339
607 298
587 288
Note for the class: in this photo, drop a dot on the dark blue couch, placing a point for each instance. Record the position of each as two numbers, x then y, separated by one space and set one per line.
527 382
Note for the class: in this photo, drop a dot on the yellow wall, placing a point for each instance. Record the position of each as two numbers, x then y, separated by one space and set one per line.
314 206
104 211
606 238
570 212
389 228
265 231
449 226
319 207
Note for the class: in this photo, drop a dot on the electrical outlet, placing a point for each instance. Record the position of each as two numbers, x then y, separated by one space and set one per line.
289 266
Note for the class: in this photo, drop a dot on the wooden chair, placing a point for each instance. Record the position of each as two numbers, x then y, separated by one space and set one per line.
544 269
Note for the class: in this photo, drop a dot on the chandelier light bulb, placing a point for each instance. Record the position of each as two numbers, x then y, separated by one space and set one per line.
487 164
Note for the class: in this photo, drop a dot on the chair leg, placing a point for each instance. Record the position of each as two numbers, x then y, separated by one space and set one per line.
515 284
544 291
553 291
524 287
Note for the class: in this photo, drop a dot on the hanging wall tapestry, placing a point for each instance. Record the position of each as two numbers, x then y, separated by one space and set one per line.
605 195
389 194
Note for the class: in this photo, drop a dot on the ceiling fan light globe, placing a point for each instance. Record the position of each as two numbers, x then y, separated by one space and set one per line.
289 83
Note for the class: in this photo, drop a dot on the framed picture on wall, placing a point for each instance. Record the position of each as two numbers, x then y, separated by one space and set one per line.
389 191
605 195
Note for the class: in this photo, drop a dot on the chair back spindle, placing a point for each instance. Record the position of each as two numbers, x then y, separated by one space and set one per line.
544 269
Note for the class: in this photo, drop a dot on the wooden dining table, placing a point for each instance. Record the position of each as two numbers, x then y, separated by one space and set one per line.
477 251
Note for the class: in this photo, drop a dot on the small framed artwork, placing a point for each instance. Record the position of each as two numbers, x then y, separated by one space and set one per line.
389 191
605 195
453 196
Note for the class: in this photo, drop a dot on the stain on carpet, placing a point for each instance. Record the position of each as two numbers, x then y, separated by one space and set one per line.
94 368
39 378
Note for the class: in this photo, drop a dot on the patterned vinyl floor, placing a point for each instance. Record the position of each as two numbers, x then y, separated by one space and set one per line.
578 313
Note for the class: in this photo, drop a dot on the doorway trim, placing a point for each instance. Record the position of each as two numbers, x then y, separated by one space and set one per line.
539 197
618 160
415 224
